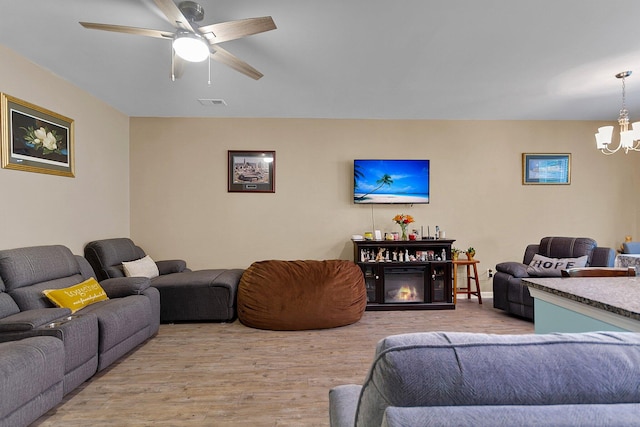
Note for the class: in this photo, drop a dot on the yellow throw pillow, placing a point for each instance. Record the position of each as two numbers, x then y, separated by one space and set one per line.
77 296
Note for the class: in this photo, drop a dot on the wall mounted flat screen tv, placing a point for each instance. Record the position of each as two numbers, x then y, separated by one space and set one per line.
391 181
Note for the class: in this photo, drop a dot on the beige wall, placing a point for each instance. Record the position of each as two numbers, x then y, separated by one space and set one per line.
39 209
180 206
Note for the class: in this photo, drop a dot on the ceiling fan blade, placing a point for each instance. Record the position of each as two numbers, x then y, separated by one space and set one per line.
231 30
173 14
128 30
223 56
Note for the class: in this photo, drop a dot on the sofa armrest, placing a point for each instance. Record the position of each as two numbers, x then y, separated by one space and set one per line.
31 319
515 269
171 266
120 287
343 402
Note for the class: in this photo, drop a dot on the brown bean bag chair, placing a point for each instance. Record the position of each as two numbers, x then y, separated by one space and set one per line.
298 295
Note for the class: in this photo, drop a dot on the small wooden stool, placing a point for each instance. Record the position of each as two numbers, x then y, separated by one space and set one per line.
468 263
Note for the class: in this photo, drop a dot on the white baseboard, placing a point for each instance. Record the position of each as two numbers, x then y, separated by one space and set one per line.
488 295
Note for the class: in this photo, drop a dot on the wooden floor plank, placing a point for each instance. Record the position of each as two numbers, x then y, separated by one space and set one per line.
226 374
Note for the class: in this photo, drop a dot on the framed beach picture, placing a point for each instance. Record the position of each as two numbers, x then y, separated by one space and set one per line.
35 139
538 168
251 172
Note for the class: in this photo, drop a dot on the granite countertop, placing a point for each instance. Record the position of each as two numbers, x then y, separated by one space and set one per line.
618 295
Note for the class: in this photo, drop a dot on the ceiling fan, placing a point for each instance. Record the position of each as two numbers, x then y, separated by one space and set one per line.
194 43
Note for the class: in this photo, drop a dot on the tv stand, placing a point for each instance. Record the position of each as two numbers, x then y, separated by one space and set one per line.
406 274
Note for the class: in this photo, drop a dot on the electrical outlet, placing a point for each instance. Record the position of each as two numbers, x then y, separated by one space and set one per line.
489 273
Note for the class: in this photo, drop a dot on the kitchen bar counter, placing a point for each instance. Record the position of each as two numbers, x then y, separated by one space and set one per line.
583 304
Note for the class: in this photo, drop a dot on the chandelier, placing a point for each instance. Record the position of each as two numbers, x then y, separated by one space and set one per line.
629 138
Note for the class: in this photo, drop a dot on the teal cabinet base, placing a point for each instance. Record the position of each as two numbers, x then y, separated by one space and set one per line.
553 318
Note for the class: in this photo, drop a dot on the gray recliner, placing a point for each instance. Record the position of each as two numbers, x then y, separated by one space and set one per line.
185 295
464 379
32 376
511 295
93 337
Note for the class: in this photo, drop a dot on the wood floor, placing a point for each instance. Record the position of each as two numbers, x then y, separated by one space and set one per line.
212 374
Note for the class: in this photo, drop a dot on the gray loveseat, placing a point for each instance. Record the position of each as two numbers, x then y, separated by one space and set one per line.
185 295
93 337
511 295
464 379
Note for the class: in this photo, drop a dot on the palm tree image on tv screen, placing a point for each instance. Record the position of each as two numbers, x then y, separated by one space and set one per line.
391 181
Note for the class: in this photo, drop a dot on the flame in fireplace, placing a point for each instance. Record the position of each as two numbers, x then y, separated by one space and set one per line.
405 293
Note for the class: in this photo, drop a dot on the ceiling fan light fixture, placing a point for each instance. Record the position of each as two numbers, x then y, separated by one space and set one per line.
190 47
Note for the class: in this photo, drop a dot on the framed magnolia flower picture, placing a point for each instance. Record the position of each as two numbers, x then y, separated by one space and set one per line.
35 139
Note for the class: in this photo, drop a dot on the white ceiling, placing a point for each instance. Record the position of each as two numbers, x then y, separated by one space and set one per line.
405 59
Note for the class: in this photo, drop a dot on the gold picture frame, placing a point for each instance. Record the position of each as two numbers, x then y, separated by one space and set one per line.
546 168
35 139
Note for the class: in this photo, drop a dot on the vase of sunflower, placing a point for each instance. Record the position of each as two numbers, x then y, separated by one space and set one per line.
403 221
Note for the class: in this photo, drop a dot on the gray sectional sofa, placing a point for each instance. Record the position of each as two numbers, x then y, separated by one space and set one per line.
91 338
185 295
464 379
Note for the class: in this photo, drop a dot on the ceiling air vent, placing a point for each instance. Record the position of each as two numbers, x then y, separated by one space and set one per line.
212 102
